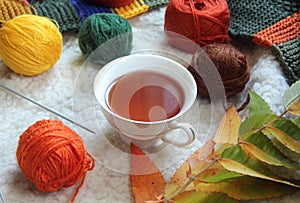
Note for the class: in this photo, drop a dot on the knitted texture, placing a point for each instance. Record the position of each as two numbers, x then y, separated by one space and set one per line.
71 13
61 11
135 8
288 54
156 3
12 8
270 23
113 3
86 8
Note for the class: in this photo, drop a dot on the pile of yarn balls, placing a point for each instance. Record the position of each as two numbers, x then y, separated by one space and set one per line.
201 27
102 37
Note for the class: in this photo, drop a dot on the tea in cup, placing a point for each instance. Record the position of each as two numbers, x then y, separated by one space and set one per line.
144 96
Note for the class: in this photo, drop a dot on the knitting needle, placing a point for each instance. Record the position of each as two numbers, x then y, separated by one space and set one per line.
44 107
2 197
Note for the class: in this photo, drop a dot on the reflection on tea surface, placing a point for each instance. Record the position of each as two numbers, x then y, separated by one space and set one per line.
146 96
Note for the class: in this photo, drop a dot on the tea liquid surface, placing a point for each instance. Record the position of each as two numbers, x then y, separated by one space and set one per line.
146 96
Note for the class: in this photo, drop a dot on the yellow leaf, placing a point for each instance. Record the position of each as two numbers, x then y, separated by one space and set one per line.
284 138
237 167
196 196
200 158
247 188
294 109
227 131
261 155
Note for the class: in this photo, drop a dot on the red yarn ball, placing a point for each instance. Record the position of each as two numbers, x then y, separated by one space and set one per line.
189 23
113 3
53 156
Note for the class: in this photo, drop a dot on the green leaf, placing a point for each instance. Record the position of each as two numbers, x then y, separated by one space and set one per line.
286 132
252 124
247 188
217 173
286 151
237 160
263 149
200 197
292 94
258 105
296 122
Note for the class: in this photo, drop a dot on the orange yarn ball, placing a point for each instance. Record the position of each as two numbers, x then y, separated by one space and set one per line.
53 156
193 23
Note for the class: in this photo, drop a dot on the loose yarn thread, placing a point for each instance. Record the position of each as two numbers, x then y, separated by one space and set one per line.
30 44
231 65
104 37
200 21
53 156
113 3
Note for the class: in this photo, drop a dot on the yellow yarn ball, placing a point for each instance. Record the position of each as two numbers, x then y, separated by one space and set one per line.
30 44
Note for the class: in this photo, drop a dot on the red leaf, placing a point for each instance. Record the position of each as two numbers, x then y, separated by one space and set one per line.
146 180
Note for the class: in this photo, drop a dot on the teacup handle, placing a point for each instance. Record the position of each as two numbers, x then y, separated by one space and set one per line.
187 128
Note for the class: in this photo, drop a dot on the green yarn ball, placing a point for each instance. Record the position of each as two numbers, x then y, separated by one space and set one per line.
104 37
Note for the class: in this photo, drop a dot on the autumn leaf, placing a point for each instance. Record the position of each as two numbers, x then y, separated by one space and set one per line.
292 95
237 160
286 132
227 131
254 123
286 151
262 148
258 105
216 173
246 188
146 180
200 159
294 109
234 164
196 196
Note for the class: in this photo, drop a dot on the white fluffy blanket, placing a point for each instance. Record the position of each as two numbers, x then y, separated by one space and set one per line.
67 89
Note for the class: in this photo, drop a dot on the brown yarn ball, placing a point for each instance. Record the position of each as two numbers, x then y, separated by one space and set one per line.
231 65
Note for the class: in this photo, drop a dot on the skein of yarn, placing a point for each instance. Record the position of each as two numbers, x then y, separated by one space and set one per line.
113 3
53 156
30 44
230 63
199 21
104 37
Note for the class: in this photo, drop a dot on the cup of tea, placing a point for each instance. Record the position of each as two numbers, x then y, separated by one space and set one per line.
144 96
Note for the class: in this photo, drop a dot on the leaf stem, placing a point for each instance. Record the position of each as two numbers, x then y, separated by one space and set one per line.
191 179
269 123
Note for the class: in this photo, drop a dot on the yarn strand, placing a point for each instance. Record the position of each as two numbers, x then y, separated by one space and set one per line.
92 165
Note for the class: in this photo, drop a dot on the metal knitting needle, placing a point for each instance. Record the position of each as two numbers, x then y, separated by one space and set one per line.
44 107
2 197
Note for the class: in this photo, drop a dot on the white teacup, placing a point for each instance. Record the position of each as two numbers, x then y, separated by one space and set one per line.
148 133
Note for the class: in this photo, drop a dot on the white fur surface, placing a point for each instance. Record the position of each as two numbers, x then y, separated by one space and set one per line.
67 89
